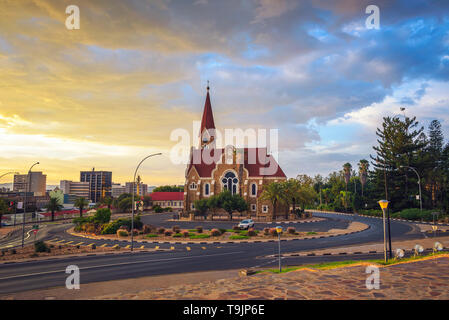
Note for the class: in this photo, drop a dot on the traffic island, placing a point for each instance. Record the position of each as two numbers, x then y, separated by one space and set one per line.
199 235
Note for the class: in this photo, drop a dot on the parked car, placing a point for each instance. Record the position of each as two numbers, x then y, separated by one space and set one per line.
246 224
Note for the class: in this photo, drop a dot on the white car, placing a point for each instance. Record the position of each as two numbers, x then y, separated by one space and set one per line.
246 224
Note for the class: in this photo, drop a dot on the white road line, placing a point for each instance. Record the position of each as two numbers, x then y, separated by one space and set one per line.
120 264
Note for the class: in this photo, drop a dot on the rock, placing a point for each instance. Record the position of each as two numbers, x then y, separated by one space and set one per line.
246 272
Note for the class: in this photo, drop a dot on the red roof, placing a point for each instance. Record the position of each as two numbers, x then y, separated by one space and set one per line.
167 196
207 122
252 162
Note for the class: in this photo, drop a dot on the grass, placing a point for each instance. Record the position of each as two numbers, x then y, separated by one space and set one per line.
311 233
200 236
238 237
151 235
338 264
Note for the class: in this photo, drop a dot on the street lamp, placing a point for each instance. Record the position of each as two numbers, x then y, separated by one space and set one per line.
279 231
28 183
384 205
132 203
8 173
419 184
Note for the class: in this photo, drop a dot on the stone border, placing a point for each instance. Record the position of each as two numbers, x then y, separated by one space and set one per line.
69 231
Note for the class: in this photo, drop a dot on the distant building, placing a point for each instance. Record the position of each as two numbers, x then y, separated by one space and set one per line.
37 186
78 189
174 200
151 188
118 190
143 188
100 184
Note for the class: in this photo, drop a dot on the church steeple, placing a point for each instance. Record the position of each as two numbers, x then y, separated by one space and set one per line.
207 130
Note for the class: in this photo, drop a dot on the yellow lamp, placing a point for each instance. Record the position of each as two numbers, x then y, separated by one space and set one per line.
383 204
279 229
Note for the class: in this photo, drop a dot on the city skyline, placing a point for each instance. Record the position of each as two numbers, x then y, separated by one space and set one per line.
110 93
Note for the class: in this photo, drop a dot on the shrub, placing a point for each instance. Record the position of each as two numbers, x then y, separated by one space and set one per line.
122 233
167 233
252 232
41 246
236 228
158 209
123 223
34 255
146 229
185 233
416 214
135 232
177 235
215 233
161 230
13 251
176 229
168 209
266 231
199 229
291 230
94 246
222 230
311 233
273 232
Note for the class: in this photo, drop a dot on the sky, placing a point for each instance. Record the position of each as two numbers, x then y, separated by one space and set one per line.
110 93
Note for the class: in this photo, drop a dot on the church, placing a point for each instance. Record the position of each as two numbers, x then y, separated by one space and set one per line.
243 171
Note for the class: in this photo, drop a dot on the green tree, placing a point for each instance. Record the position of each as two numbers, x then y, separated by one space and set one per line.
169 189
53 206
81 203
214 203
201 207
102 216
125 204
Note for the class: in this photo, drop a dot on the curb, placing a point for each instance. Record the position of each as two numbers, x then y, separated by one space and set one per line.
314 254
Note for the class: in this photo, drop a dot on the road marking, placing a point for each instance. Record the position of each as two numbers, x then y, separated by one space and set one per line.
128 246
172 248
204 248
59 241
104 245
142 247
157 247
122 263
188 248
90 244
78 244
69 242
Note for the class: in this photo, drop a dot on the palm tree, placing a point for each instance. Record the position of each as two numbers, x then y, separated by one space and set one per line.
81 203
347 168
273 192
292 192
54 205
363 172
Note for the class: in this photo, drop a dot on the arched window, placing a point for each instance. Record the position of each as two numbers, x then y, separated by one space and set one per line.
206 189
253 189
230 182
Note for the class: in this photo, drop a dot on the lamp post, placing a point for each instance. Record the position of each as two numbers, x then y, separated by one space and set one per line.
25 203
279 231
132 202
419 184
384 205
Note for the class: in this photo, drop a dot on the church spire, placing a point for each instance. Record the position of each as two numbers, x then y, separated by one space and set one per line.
207 130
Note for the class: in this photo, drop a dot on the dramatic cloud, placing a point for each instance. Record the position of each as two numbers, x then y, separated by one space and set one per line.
110 93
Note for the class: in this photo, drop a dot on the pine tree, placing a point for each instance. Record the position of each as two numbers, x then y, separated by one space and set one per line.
399 144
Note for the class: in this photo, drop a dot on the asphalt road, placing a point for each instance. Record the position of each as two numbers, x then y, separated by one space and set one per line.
25 276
